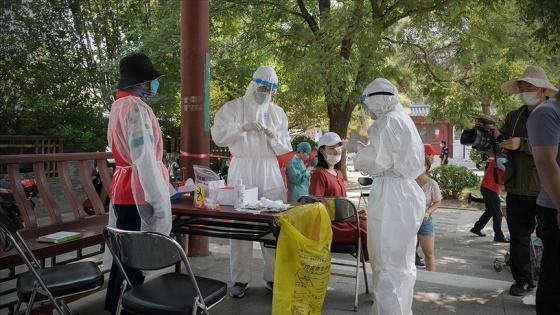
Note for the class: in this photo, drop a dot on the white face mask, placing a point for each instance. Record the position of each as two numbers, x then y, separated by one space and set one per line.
333 159
529 98
261 97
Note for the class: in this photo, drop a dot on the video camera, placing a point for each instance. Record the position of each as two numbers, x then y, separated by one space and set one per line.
481 138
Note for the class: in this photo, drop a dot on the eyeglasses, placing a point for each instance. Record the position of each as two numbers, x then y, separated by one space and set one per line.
363 97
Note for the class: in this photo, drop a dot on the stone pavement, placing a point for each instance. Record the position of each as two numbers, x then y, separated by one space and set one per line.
465 281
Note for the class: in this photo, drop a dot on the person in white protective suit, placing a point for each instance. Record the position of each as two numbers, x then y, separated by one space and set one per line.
140 195
394 157
256 131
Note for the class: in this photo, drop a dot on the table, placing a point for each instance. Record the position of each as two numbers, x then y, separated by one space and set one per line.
225 223
263 227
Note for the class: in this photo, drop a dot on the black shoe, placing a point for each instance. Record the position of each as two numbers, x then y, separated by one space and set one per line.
270 286
419 264
477 232
520 288
469 199
238 290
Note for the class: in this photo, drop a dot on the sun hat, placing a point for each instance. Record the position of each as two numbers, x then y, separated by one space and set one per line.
329 138
429 150
136 68
532 74
303 146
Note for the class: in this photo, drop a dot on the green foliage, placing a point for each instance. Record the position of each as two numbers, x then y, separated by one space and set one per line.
296 140
76 140
59 59
543 15
477 157
453 179
459 71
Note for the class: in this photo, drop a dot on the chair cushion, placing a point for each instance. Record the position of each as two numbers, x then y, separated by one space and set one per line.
172 293
61 280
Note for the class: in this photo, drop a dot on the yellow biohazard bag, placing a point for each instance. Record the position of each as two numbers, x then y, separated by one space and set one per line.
303 260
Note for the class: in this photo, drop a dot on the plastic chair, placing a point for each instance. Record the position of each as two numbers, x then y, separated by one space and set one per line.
51 283
365 185
170 293
341 209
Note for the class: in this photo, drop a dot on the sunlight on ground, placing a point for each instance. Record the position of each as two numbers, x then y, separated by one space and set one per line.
450 260
449 302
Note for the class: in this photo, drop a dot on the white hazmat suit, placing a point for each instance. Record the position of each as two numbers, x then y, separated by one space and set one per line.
256 131
394 157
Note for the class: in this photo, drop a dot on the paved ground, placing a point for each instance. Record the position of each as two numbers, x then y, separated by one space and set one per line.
465 281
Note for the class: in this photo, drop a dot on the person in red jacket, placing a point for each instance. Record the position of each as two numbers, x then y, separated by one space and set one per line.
490 190
140 187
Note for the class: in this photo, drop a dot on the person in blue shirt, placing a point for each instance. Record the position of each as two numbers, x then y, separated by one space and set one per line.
297 174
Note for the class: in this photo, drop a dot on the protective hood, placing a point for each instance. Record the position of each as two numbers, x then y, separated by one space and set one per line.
264 76
380 104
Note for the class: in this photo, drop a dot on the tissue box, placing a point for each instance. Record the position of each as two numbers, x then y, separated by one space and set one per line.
226 195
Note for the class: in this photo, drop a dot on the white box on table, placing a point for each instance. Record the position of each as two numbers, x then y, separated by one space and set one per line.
226 195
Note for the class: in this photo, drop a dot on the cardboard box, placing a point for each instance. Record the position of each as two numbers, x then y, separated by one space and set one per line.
226 195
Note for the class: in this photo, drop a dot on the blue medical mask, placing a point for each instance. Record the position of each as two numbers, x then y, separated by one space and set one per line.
305 156
154 85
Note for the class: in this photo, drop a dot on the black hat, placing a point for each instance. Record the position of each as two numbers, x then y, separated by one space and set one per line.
136 68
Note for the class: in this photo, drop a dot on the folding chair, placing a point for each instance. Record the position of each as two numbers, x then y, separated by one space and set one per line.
341 209
170 293
365 184
51 283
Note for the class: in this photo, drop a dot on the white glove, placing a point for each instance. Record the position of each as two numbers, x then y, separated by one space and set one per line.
270 133
252 126
342 147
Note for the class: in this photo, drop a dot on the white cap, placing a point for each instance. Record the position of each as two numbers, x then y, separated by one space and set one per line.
328 139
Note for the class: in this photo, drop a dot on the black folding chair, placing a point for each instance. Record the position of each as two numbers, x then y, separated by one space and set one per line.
170 293
51 283
344 209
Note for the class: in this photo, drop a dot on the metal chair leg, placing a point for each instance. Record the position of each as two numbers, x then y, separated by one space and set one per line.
357 275
365 273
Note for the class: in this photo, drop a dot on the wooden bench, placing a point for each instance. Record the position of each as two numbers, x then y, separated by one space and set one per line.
75 220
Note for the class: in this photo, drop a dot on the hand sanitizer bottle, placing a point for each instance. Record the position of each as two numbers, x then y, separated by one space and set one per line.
239 192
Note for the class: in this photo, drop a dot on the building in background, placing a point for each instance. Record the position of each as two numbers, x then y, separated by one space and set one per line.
432 133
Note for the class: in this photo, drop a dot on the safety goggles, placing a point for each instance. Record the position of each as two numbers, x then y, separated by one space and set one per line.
364 97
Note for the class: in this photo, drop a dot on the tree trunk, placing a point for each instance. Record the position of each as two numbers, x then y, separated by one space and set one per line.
338 122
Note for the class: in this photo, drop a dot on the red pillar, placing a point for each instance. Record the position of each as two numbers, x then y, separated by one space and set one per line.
194 136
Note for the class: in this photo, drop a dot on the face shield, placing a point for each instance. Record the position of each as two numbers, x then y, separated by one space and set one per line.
365 108
263 86
265 91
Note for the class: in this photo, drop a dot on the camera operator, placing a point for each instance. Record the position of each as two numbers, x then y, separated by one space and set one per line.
521 180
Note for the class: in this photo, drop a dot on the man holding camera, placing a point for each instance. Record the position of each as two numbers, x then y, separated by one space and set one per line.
521 180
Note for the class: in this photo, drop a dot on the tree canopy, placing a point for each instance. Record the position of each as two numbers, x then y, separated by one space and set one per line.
59 59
